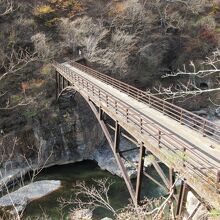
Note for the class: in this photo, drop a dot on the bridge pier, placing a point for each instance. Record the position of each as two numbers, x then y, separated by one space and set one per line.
140 173
181 198
57 84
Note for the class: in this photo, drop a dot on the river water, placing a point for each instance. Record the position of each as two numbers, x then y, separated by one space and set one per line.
82 171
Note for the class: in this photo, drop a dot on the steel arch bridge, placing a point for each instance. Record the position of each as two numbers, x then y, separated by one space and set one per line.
186 143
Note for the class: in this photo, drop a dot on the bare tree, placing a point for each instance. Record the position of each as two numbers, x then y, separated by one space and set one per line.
6 7
109 49
16 60
187 79
42 48
7 175
97 196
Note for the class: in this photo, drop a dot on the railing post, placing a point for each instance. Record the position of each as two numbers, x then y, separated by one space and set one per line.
181 117
203 128
159 138
163 107
107 100
184 156
149 100
127 115
141 125
116 107
99 95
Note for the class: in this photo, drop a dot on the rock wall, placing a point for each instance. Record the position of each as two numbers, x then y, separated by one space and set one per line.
68 132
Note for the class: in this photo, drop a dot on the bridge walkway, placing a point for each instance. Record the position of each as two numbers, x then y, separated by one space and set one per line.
201 145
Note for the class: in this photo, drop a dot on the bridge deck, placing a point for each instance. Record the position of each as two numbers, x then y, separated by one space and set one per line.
201 145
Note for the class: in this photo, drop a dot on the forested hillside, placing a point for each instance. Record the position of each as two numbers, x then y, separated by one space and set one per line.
167 47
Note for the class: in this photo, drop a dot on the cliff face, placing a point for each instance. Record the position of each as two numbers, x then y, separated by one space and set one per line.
66 134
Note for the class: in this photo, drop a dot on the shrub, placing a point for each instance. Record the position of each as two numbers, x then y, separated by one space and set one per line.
46 69
206 22
43 10
30 113
209 36
15 99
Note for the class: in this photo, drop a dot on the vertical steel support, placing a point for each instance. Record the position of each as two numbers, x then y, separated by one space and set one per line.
117 137
140 173
63 83
117 155
100 114
57 84
182 198
172 177
60 86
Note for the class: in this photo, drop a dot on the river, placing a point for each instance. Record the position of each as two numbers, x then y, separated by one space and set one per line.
81 171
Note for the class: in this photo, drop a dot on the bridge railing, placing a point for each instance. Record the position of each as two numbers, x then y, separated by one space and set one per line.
184 117
198 163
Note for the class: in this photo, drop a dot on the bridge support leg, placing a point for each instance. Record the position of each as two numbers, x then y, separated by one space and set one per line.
161 174
117 137
116 154
63 83
140 173
57 84
182 198
60 86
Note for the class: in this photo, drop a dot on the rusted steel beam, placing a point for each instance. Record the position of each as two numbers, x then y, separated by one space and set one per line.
123 135
161 174
140 173
57 84
63 83
128 150
100 114
194 211
181 198
171 177
117 137
154 180
117 155
60 86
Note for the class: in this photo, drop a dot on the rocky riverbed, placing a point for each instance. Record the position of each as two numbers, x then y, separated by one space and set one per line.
19 199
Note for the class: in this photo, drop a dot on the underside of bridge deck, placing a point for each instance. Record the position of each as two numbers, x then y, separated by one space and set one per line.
117 120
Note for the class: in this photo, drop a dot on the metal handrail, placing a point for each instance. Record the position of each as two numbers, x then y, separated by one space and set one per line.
146 126
184 117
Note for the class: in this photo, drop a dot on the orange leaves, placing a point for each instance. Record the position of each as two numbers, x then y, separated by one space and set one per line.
73 7
24 86
35 83
119 7
42 10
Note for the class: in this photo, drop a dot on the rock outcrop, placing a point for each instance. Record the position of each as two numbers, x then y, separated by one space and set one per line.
19 199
